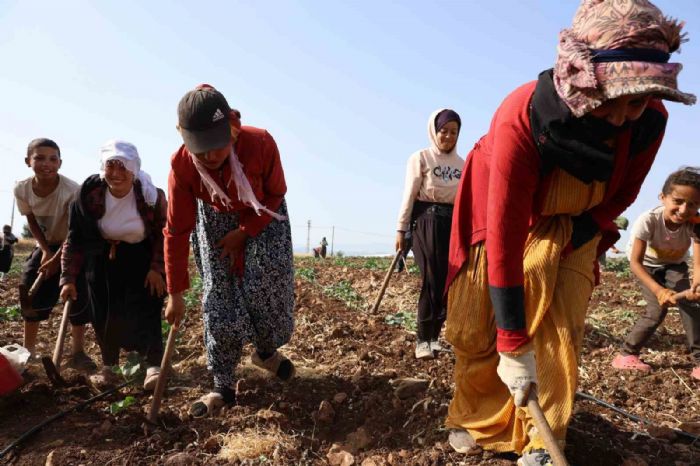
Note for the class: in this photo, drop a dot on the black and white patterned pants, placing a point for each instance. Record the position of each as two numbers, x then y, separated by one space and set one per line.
257 307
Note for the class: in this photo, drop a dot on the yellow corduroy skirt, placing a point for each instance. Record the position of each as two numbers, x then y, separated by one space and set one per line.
557 292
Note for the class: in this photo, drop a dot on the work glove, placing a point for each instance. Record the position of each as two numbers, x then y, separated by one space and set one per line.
665 297
519 374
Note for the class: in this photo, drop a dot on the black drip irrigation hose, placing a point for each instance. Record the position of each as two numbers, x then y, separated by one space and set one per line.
48 421
642 420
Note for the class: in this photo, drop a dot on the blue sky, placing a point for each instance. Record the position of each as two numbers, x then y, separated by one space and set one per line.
344 87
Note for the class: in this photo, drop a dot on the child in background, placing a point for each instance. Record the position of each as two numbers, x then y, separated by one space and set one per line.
658 255
44 199
7 252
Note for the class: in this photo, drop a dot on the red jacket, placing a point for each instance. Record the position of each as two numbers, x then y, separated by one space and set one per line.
260 158
500 197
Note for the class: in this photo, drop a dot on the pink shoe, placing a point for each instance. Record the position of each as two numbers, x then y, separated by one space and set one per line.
695 373
632 363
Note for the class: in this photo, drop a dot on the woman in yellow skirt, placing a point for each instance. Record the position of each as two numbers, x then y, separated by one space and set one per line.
564 156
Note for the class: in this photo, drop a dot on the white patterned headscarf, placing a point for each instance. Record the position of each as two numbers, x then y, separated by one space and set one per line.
127 154
245 191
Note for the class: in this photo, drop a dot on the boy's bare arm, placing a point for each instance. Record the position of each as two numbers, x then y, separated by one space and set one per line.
696 270
639 247
37 233
50 262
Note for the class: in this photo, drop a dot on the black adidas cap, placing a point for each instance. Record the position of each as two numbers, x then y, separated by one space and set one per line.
202 115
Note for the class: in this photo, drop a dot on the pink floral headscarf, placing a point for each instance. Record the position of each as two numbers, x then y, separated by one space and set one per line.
609 25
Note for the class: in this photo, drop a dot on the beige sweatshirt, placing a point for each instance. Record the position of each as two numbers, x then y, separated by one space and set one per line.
431 176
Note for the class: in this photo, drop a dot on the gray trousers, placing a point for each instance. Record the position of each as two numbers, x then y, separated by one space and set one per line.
674 277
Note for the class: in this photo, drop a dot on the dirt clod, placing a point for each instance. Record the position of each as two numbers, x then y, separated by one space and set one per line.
408 387
337 456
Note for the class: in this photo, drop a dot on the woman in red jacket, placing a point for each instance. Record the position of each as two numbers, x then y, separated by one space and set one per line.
226 188
563 157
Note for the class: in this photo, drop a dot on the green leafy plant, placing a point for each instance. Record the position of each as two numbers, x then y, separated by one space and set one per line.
119 406
413 269
164 328
10 313
403 319
305 273
339 254
342 262
131 367
375 263
344 291
620 266
193 296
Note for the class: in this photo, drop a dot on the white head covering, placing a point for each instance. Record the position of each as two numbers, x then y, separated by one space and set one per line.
128 155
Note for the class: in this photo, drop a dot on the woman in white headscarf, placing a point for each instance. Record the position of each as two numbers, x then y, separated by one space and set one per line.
432 176
116 234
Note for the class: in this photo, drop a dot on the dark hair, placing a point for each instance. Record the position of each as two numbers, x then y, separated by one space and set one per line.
444 117
684 176
41 142
6 228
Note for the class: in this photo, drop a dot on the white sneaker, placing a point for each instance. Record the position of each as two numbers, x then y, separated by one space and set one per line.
423 350
151 379
539 457
462 442
436 346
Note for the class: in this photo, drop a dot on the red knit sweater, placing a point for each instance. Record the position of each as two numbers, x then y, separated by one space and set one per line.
500 196
260 158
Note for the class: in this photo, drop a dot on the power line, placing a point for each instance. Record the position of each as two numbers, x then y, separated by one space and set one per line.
347 230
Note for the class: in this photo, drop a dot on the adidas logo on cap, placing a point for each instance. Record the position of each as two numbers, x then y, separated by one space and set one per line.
218 115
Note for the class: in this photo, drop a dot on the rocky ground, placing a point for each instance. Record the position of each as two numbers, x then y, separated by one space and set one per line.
352 401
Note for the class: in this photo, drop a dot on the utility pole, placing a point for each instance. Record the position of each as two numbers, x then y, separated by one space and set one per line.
308 237
332 239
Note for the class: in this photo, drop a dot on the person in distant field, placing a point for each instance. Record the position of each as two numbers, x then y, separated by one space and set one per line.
44 199
658 255
226 187
321 250
7 250
115 235
621 223
563 157
430 186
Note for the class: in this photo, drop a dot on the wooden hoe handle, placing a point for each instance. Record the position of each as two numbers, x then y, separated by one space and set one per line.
546 432
378 301
58 350
162 377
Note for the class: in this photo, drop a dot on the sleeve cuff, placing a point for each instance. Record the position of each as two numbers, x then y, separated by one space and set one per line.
508 341
508 306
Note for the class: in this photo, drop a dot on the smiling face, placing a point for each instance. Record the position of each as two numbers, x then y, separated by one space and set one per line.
447 136
215 158
118 178
680 205
619 111
45 161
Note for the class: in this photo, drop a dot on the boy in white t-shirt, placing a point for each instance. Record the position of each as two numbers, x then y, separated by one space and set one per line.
44 199
658 254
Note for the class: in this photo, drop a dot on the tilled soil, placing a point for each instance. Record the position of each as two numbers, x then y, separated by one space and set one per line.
342 407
